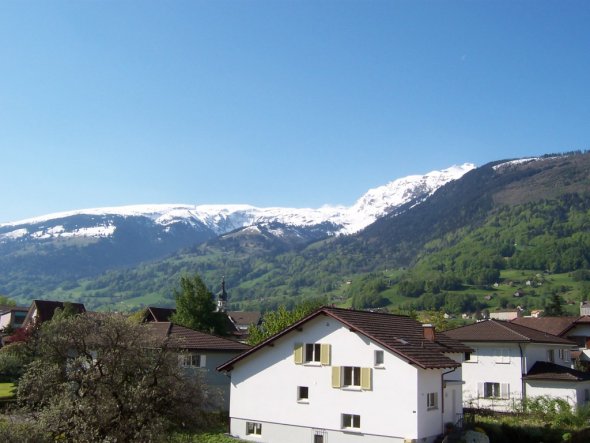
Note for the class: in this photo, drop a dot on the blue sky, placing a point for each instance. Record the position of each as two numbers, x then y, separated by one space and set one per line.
276 103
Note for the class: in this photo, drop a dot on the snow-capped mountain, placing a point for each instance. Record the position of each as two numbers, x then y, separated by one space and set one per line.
214 220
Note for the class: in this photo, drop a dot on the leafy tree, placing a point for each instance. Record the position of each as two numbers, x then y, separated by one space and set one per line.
555 306
99 377
275 321
5 301
195 307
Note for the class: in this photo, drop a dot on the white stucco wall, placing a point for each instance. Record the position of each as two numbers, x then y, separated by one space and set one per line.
485 366
489 368
572 392
264 389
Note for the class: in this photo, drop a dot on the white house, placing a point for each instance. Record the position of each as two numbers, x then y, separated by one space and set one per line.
199 355
340 375
511 362
576 329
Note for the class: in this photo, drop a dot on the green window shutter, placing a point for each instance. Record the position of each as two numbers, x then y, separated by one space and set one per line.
298 353
325 354
336 382
366 378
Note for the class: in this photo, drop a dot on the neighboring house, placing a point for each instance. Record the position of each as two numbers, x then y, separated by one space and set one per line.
12 317
511 362
201 353
237 323
341 375
241 322
43 310
585 308
576 329
505 314
154 314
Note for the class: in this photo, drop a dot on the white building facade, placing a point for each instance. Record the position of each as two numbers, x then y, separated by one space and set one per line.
512 362
329 380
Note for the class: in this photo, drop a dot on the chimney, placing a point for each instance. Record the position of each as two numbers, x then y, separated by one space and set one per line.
428 330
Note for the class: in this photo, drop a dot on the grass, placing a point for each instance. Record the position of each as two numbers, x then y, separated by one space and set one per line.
6 390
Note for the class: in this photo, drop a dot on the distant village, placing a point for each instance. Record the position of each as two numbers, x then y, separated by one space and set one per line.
344 375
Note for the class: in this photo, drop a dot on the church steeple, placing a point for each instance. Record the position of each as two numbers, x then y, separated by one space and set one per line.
222 297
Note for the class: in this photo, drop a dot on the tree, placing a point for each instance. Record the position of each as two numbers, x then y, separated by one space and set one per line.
554 307
275 321
99 377
195 307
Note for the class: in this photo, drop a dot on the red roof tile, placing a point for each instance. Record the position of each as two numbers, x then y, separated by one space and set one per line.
552 325
185 338
503 331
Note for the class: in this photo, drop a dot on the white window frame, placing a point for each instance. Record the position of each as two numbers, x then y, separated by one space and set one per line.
351 421
503 356
565 354
379 358
432 400
312 353
551 355
352 374
192 360
500 391
253 428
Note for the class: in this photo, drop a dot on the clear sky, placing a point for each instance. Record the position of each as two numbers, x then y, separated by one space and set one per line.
276 103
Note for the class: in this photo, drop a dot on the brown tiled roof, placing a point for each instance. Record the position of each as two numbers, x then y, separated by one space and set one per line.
402 335
159 314
244 317
551 325
185 338
542 370
503 331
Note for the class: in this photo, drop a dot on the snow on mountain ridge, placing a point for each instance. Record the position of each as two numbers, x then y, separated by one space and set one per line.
225 218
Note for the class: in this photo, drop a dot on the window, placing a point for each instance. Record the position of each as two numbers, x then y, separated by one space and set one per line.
312 352
253 428
351 421
379 358
320 436
351 376
432 400
565 354
503 355
494 390
192 360
471 357
302 394
551 355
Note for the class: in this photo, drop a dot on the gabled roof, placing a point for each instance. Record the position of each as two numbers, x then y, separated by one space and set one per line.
553 325
245 317
503 331
158 314
543 370
399 334
185 338
46 308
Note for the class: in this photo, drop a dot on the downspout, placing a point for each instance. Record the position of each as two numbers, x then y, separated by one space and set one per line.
522 373
442 397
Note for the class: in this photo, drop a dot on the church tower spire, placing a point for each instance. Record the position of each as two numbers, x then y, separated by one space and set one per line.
222 297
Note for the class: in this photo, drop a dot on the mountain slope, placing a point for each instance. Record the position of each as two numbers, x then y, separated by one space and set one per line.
261 271
50 253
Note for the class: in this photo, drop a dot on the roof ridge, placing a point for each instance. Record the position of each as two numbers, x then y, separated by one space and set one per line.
505 326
